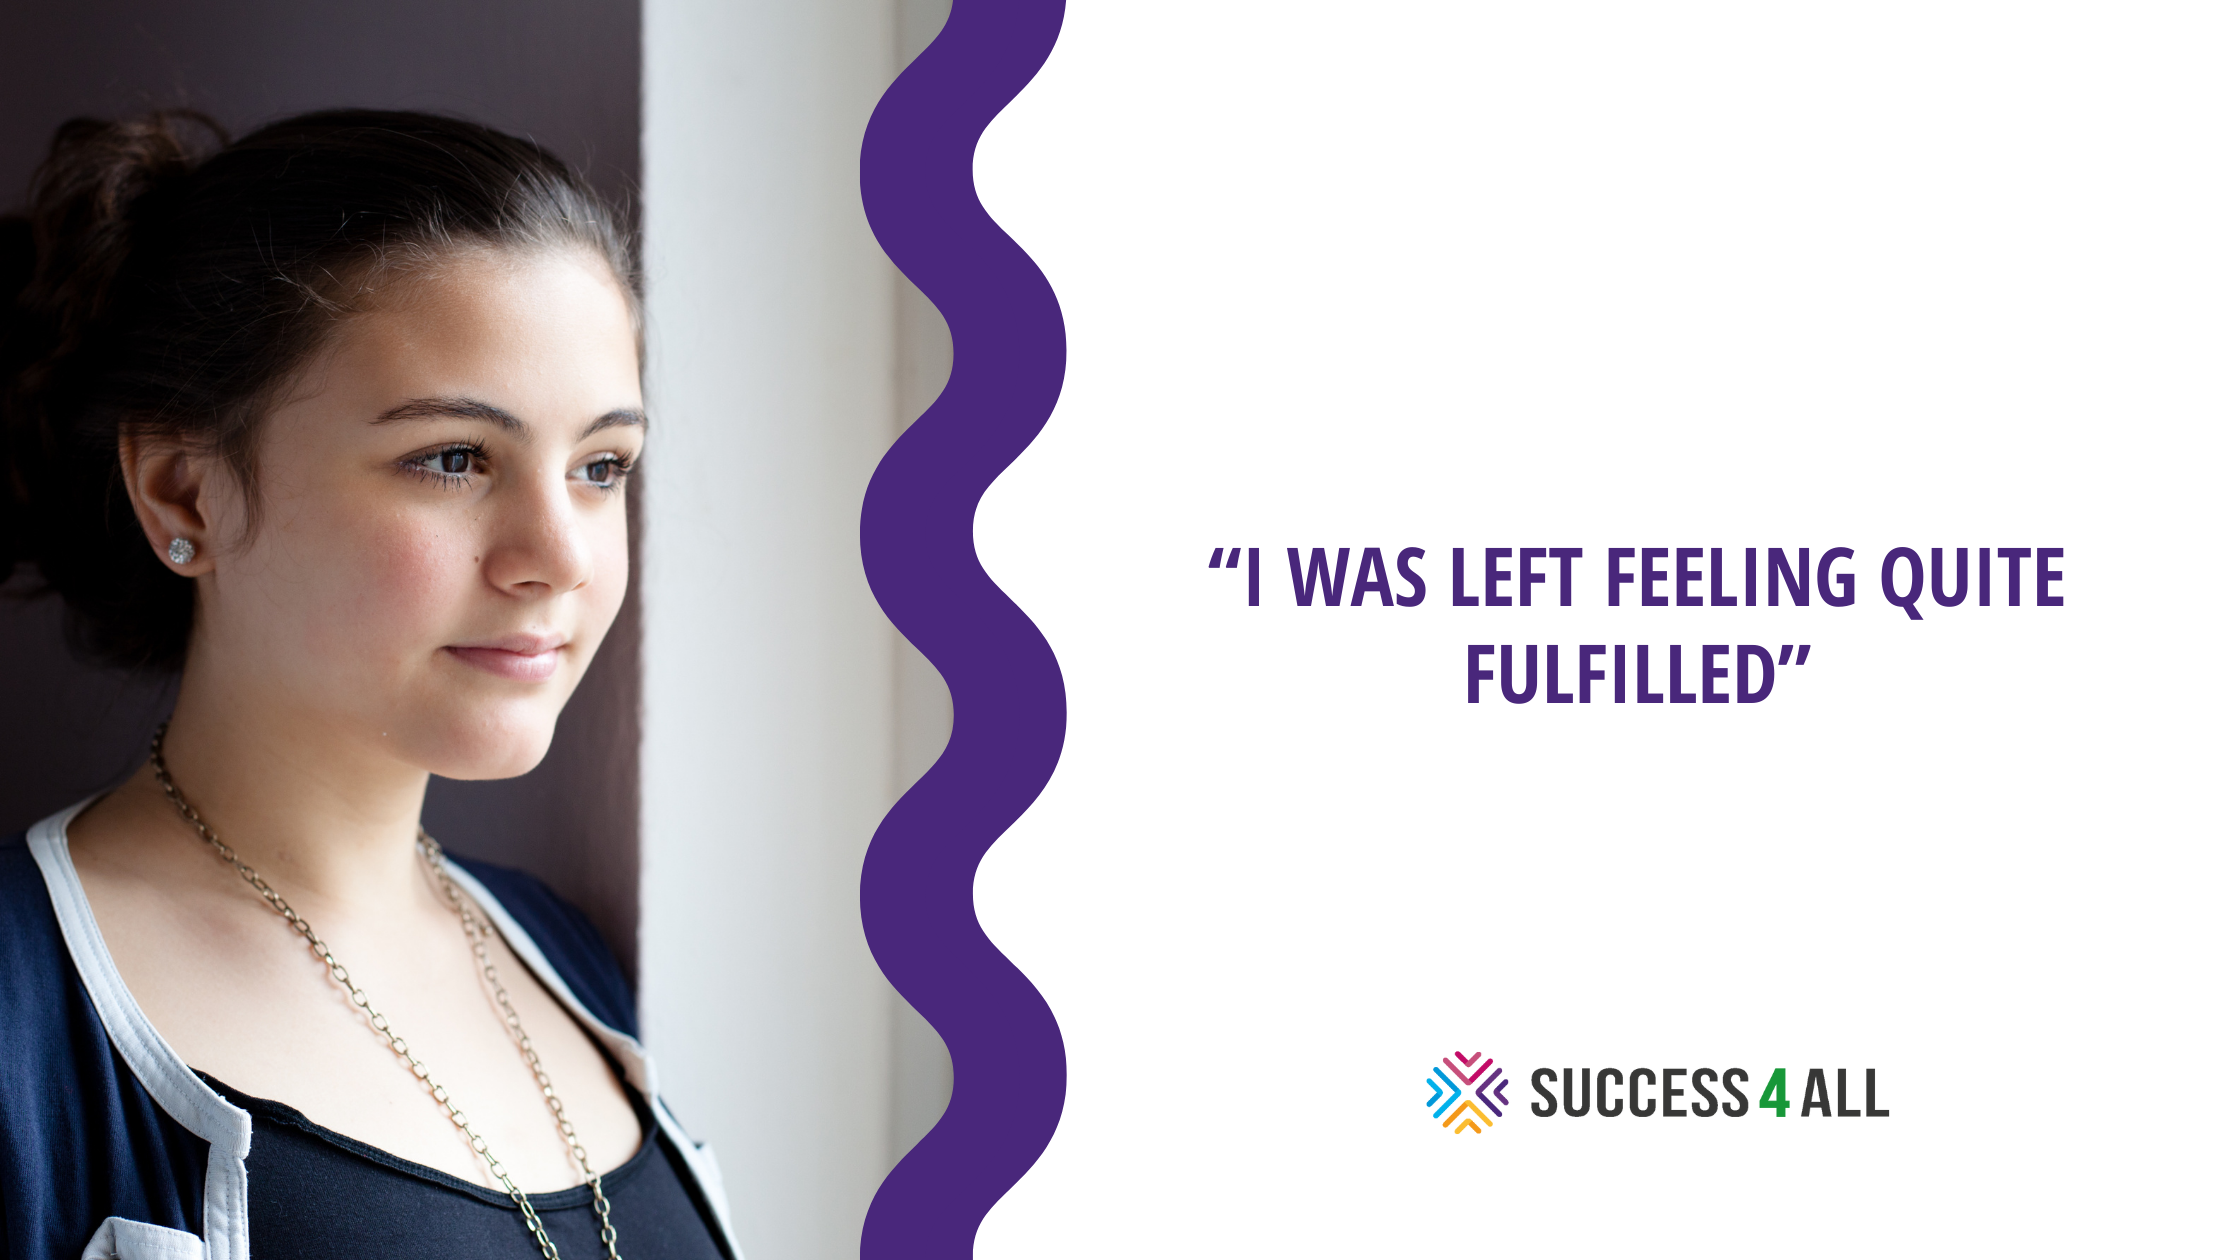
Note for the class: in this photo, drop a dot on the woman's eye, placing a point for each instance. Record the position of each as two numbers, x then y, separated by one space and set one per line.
451 463
605 472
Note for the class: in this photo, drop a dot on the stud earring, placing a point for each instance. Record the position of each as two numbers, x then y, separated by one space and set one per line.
181 551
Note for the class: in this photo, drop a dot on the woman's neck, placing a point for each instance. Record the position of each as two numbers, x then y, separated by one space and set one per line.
309 807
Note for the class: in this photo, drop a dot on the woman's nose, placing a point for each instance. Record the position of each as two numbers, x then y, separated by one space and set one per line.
539 546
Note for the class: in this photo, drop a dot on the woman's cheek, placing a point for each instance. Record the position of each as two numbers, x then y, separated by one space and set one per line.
611 575
404 594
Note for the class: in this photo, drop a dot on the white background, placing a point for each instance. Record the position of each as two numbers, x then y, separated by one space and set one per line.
1438 275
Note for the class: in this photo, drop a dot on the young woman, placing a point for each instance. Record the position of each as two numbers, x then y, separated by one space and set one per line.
336 422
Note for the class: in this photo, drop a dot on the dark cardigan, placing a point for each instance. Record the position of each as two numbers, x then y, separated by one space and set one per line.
82 1137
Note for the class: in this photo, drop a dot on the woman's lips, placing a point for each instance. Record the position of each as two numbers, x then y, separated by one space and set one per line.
522 658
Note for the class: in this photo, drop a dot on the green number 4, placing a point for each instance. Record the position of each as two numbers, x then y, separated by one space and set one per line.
1777 1092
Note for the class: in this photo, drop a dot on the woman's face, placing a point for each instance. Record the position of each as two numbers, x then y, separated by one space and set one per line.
442 542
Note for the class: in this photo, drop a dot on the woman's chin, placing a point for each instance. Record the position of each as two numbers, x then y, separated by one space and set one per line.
489 754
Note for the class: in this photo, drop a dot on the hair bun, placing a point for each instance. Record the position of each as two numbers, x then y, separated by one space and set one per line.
87 198
58 265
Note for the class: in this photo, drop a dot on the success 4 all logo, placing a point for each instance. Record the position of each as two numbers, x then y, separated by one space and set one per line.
1468 1093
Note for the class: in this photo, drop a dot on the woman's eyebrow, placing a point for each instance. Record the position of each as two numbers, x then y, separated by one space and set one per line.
452 409
619 416
470 409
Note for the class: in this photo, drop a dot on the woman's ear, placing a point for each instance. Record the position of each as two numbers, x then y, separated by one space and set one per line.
170 485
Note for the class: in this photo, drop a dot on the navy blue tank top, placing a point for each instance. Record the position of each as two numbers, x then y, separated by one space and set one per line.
315 1194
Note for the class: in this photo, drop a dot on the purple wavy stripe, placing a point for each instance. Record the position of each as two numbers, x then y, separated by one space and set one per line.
1009 698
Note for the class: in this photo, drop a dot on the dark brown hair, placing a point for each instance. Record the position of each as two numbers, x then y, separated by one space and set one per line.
165 282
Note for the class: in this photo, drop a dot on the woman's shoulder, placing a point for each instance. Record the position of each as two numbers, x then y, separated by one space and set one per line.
45 1014
30 940
80 1139
568 940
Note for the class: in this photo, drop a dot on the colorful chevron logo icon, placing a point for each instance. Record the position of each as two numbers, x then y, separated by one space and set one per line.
1454 1104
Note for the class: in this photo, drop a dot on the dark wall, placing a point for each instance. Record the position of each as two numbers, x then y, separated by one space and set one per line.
564 72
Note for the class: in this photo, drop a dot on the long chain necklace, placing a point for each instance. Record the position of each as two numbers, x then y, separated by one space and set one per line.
478 931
